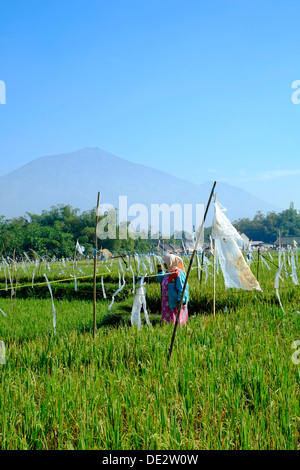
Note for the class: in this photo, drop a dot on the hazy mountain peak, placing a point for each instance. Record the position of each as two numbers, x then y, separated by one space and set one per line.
75 178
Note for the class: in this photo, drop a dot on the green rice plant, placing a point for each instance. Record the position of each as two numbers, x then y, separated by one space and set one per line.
230 383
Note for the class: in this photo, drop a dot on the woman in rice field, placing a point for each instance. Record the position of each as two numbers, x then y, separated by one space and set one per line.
172 282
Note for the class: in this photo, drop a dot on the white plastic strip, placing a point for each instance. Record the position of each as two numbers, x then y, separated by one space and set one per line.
75 281
121 266
137 259
10 278
53 306
103 290
139 302
294 273
3 312
265 263
6 287
117 291
33 273
133 279
277 277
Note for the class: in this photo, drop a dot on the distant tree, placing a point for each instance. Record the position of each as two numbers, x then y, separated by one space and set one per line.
266 228
56 231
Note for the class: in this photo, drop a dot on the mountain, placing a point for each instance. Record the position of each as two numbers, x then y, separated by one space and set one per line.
75 178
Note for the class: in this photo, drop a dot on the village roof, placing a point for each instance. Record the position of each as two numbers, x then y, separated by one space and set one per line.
244 236
287 240
165 247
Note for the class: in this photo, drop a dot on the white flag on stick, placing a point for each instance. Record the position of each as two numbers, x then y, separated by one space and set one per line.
235 270
79 248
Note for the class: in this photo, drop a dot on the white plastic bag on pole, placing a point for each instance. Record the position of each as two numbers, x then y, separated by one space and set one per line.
80 248
229 243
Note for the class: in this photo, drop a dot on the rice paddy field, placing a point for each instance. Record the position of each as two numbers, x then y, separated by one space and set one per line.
231 383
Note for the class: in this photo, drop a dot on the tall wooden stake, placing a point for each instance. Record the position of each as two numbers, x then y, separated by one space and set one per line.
215 261
189 269
13 292
215 257
201 272
258 261
95 263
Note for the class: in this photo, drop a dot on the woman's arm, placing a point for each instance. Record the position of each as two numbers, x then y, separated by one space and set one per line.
160 273
180 280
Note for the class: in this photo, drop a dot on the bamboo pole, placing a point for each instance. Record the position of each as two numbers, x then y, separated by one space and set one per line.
95 266
201 272
12 277
13 292
214 299
258 261
189 269
215 261
198 267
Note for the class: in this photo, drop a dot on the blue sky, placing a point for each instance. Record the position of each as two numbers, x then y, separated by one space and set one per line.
201 89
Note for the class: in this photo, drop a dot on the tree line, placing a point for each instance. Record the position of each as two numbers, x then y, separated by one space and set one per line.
266 228
55 232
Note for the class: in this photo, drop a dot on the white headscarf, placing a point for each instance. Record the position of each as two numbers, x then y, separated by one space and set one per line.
172 262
